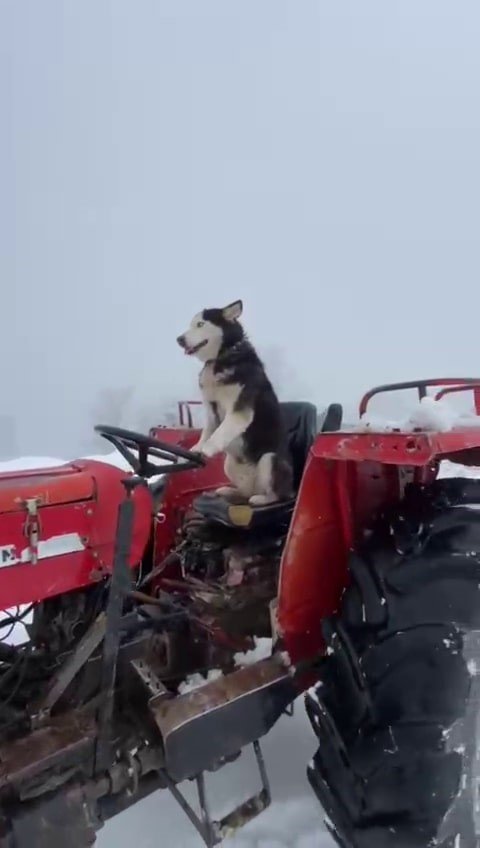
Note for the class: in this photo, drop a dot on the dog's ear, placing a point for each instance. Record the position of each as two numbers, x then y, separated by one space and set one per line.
233 311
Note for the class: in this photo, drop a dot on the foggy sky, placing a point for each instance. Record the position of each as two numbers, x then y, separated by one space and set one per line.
318 159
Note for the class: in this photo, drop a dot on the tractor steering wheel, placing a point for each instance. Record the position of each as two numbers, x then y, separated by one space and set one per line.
126 440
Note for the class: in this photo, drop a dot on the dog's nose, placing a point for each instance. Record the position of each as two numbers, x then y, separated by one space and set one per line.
181 341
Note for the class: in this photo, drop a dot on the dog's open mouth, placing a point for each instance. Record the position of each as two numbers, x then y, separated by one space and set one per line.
191 350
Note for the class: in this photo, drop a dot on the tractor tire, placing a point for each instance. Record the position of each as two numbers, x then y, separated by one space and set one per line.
397 710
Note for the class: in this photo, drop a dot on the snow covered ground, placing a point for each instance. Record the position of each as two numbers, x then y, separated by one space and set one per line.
294 820
31 462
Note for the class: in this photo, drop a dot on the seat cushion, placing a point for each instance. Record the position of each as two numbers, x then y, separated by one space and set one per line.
221 511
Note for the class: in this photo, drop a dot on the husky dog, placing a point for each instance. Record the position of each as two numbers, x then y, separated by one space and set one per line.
243 416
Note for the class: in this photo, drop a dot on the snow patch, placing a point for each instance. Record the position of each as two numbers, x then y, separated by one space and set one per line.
472 667
29 463
285 659
427 415
376 424
33 463
196 681
452 469
261 651
431 414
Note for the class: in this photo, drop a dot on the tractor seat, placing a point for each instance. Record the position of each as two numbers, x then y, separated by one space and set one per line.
302 425
243 515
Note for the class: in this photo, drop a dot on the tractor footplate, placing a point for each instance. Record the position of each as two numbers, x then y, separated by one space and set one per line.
204 727
67 740
213 832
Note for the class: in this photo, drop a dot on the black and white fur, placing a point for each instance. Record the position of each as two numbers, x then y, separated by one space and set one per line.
243 417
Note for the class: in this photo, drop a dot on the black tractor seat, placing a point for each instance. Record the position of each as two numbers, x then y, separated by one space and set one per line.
243 515
302 425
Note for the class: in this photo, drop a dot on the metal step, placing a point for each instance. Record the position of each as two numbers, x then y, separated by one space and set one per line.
204 727
215 831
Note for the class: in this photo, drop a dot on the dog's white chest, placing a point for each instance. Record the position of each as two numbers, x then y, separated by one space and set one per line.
215 390
209 384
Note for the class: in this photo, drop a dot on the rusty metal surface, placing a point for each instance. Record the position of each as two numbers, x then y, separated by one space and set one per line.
148 683
203 729
69 737
61 819
217 693
70 814
85 648
120 585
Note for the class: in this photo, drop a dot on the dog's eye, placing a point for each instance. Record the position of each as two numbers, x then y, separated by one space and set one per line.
200 324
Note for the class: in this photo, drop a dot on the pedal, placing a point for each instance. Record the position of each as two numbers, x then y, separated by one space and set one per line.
213 832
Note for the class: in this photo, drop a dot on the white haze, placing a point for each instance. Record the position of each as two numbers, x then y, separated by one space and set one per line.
318 159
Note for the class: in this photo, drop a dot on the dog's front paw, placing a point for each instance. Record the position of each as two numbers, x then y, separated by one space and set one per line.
198 448
262 500
232 495
225 491
208 449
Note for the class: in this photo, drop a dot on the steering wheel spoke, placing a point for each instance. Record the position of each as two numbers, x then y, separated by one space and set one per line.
174 457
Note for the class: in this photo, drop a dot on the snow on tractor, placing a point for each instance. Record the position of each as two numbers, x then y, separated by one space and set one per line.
135 587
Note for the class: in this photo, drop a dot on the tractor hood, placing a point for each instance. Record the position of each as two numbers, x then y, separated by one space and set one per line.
57 529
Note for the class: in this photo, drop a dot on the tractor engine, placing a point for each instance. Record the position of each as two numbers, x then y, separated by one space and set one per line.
230 575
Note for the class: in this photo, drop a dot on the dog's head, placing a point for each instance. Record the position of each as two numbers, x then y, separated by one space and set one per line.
211 331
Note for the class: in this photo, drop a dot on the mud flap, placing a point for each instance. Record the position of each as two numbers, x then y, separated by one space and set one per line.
202 728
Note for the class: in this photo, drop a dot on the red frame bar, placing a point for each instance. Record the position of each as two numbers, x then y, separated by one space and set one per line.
185 413
473 387
411 449
463 384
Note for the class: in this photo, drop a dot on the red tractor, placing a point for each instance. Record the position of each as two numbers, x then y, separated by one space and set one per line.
368 584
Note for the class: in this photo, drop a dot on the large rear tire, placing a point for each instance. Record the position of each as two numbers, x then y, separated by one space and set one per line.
397 710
